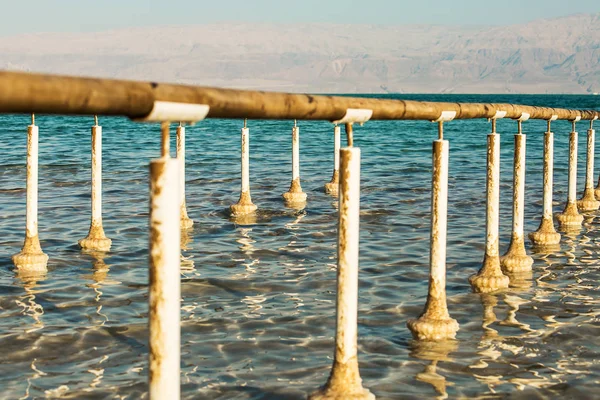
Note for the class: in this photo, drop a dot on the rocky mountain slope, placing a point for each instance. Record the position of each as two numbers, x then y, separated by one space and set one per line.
555 56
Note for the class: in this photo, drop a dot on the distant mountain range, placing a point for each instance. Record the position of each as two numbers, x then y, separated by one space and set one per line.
545 56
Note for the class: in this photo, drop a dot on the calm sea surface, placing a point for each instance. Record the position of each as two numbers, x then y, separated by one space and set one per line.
258 302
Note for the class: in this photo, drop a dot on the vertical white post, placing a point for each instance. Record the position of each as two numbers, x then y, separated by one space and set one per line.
588 202
490 277
570 217
186 222
332 186
245 160
345 381
516 259
31 259
164 287
244 205
295 193
546 235
295 153
96 240
435 322
597 190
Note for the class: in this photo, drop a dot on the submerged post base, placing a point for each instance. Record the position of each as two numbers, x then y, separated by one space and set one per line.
244 205
344 383
95 240
546 235
570 217
31 259
521 281
332 187
490 277
433 329
295 194
516 258
588 202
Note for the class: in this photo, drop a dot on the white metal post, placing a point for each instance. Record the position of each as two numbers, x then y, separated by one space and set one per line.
332 186
546 235
435 322
164 287
244 206
588 202
96 239
295 193
31 259
345 381
490 277
516 259
570 218
186 222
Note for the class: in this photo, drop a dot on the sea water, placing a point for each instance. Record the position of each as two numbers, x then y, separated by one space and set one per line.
258 301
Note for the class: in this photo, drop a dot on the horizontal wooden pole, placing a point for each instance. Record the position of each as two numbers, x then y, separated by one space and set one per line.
51 94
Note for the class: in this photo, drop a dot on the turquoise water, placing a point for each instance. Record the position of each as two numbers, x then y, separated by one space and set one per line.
258 303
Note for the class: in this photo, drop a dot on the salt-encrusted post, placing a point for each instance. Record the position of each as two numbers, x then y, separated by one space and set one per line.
332 186
516 259
295 193
244 205
164 292
570 217
588 202
344 381
96 240
435 323
164 288
597 190
546 235
490 277
31 259
186 222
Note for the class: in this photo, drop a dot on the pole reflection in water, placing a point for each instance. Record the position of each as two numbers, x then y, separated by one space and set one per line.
521 281
36 374
489 343
30 307
247 247
490 337
296 267
295 205
588 221
514 303
246 241
434 352
293 227
244 219
33 310
254 304
187 265
488 302
294 224
571 243
100 273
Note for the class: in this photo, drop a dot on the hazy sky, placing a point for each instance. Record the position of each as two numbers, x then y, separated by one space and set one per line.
24 16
